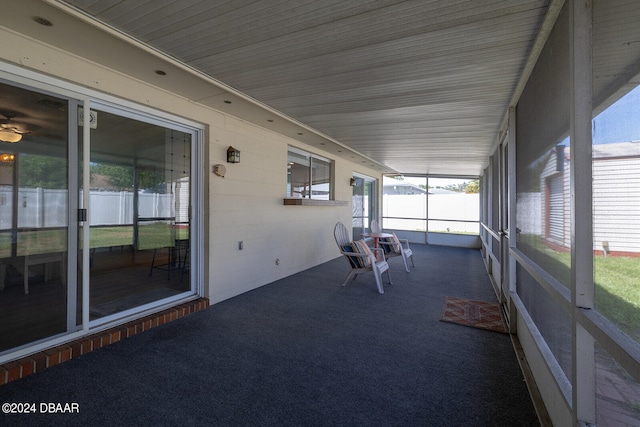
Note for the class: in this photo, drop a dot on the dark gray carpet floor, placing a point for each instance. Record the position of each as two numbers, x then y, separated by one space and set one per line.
304 351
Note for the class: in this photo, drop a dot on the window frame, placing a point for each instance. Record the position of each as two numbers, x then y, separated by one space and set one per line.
308 191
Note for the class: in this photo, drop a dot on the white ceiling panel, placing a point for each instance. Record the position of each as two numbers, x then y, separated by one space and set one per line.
418 86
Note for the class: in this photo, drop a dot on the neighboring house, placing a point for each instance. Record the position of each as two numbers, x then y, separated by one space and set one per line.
616 199
401 187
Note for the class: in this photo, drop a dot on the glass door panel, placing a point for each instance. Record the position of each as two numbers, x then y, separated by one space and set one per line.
138 215
34 213
363 205
358 207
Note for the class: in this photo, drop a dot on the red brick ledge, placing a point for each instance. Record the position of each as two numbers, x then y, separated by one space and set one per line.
37 362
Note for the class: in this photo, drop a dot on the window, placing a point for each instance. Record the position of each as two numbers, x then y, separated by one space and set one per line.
308 176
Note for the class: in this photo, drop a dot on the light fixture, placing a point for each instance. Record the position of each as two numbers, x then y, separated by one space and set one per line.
8 131
42 21
352 182
7 157
233 155
7 135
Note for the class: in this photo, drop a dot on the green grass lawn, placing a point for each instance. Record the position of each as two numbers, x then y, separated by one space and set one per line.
616 279
154 235
100 237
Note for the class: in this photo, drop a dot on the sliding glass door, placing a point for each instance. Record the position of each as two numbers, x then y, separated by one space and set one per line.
139 204
95 221
37 294
363 204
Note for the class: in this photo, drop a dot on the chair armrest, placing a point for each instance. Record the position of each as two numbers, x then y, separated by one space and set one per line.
404 242
356 254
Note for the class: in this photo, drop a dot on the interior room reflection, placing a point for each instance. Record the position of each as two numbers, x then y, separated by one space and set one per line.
138 219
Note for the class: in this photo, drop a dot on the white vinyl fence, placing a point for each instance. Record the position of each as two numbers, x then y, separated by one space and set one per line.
453 213
40 208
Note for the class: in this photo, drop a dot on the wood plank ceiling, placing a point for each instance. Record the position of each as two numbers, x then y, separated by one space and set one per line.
419 86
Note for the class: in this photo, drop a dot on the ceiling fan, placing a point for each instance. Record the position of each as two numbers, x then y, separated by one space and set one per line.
9 132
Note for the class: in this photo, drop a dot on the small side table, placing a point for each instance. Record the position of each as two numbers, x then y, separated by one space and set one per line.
45 259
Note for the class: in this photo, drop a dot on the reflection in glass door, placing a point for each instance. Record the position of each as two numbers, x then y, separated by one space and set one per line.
138 213
34 217
135 183
363 204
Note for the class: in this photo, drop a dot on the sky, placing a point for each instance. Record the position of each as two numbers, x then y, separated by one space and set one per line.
620 122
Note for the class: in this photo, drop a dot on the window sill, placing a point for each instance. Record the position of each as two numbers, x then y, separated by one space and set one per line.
314 202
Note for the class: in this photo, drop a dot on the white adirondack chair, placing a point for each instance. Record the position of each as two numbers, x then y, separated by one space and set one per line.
360 256
398 247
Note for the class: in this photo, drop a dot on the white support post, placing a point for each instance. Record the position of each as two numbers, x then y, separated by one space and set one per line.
490 224
40 207
513 230
426 210
582 287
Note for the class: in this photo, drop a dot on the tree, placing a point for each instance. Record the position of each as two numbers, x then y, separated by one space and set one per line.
38 171
472 187
121 177
456 187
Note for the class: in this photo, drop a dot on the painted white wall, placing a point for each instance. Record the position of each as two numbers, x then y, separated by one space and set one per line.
246 205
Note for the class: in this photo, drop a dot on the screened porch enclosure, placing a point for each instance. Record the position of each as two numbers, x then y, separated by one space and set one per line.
560 218
433 209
